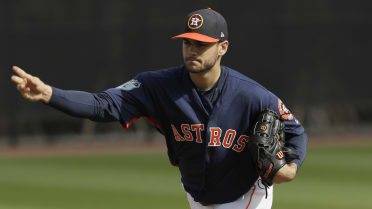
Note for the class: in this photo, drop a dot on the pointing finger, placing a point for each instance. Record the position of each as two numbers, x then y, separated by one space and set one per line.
17 80
21 73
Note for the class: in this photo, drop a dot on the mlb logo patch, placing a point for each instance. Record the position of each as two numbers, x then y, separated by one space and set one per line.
130 85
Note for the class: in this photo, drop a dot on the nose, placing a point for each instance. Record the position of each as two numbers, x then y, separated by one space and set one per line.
193 50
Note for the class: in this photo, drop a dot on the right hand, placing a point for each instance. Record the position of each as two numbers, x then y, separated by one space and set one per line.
31 87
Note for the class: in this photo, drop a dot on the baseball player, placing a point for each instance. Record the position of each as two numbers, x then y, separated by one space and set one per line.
217 123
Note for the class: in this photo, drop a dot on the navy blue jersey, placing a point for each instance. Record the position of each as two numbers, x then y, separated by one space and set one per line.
208 144
207 133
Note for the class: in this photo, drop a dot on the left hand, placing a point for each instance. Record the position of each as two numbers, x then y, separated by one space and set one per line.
286 173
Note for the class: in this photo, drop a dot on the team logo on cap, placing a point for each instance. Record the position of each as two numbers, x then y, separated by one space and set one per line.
195 21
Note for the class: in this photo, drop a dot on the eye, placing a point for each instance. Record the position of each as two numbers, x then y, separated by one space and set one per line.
201 44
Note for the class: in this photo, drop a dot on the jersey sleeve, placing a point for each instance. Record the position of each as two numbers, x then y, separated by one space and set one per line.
133 99
295 136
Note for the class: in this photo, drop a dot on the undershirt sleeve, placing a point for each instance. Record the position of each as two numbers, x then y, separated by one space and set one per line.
93 106
124 103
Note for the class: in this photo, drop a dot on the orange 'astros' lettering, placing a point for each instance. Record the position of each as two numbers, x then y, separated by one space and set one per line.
216 136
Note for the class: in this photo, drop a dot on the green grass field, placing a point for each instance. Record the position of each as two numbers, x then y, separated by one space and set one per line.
330 178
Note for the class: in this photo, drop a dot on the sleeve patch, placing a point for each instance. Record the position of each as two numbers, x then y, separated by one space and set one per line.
130 85
284 111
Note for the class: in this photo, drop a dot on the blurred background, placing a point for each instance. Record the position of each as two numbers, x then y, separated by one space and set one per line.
315 55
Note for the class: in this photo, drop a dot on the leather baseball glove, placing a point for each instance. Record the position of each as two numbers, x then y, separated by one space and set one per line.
267 145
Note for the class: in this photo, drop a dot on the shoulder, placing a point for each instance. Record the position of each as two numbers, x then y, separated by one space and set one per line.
161 75
149 79
252 94
246 85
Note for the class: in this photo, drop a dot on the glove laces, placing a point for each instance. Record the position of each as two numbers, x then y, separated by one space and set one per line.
264 186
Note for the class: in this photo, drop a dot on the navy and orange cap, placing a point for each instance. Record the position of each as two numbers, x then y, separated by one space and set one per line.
205 25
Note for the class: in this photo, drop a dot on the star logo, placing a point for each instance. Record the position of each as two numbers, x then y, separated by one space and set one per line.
195 21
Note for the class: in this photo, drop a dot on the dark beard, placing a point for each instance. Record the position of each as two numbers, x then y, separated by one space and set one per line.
207 67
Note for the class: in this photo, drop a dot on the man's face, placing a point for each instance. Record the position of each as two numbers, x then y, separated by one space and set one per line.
199 56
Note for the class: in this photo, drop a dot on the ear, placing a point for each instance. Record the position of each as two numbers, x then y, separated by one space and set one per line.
222 47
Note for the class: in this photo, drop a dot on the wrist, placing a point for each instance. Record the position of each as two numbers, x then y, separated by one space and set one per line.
47 94
286 173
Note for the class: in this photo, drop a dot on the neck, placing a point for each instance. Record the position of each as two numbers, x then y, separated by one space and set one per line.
205 81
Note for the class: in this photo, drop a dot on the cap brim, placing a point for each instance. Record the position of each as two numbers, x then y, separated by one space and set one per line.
197 36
